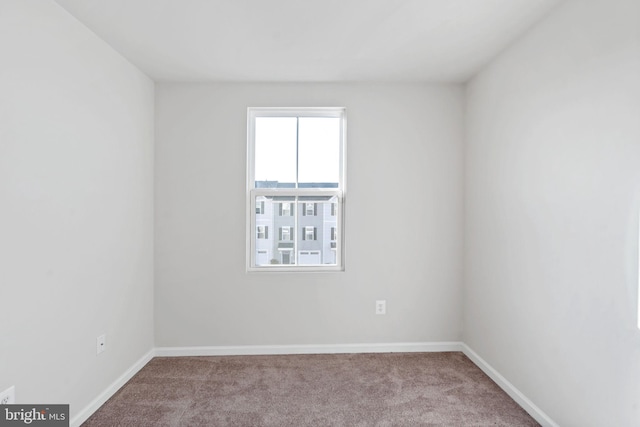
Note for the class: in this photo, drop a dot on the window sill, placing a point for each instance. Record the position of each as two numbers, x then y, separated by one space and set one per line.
296 269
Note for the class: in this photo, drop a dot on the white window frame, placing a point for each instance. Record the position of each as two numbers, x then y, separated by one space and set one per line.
322 193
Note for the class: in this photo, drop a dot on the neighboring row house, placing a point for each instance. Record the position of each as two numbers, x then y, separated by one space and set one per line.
290 232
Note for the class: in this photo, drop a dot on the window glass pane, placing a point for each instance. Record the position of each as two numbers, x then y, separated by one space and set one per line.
264 230
275 151
275 230
319 151
284 223
314 232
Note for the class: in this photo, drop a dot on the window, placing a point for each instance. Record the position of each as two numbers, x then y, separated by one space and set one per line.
309 233
285 209
296 183
285 233
310 209
262 232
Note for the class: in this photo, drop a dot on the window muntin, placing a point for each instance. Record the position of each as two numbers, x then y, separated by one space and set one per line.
296 166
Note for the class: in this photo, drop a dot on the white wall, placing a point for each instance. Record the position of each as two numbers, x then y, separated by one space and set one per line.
404 163
551 222
76 207
552 201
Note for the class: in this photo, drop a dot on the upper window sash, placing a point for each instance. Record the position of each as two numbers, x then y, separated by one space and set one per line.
326 112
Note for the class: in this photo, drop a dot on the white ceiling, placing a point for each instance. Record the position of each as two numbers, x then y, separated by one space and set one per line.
309 40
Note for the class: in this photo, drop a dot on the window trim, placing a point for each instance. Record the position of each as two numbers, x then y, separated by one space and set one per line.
252 192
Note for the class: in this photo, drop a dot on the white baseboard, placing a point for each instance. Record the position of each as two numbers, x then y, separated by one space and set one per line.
86 412
245 350
412 347
509 388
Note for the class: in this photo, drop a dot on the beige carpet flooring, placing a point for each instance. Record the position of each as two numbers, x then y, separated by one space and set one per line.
390 389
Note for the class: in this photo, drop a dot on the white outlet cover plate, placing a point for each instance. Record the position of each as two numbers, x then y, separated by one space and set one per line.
101 344
381 307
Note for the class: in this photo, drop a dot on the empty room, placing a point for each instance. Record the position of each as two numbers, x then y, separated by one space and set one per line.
340 212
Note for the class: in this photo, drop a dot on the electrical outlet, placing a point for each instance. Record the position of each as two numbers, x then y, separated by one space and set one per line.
381 307
101 343
8 397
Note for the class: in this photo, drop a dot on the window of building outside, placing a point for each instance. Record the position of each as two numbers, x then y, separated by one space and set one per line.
309 233
295 186
285 233
285 209
262 232
309 209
